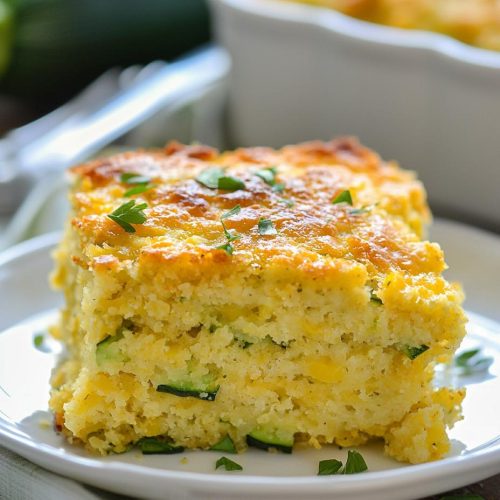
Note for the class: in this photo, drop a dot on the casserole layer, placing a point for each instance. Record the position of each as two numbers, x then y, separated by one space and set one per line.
321 325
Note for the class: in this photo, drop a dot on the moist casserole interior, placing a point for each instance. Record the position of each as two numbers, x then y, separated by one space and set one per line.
321 324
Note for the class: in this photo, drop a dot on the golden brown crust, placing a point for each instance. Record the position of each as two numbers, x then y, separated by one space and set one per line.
183 216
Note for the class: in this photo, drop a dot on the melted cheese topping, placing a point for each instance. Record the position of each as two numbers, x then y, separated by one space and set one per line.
183 215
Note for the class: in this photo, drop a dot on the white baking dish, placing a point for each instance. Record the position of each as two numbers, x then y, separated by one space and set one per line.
431 102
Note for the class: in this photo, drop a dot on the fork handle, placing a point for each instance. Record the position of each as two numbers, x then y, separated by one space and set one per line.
129 108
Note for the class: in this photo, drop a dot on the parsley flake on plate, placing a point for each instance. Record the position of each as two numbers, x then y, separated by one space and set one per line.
472 361
329 467
129 213
355 463
227 464
38 340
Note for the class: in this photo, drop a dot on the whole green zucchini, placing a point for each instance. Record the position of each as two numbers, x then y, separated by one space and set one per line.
55 47
5 34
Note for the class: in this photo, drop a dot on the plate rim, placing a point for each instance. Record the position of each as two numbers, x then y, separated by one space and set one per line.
482 463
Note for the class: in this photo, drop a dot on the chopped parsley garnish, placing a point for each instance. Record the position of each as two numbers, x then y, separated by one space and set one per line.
133 178
158 446
268 175
38 340
227 464
329 467
472 361
210 177
234 211
228 247
141 183
228 183
287 202
343 197
215 178
141 188
129 213
266 227
355 463
413 351
225 444
463 358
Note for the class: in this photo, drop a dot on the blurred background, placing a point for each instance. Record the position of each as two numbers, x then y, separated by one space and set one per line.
418 81
51 49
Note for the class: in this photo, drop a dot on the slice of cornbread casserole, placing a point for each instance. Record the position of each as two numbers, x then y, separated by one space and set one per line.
274 297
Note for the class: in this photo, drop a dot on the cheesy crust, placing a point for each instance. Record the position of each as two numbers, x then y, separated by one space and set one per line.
310 331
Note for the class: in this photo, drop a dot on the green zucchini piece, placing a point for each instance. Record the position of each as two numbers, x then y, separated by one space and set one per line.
375 298
413 351
204 389
158 446
266 439
225 444
107 350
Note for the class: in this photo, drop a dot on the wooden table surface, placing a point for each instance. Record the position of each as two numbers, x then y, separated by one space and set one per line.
489 489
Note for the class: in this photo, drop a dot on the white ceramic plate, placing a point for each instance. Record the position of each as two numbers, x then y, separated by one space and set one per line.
27 303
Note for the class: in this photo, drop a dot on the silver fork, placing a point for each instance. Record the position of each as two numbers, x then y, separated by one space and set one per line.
151 90
95 94
87 101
